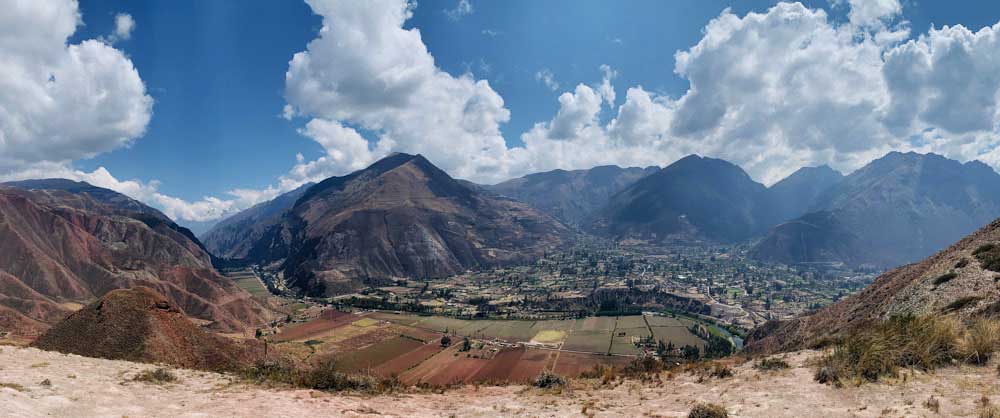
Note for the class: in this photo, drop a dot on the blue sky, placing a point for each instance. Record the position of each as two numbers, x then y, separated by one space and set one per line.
215 72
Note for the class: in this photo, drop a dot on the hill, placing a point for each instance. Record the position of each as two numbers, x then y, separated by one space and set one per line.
695 198
400 217
901 207
796 194
141 325
571 196
64 244
232 237
959 280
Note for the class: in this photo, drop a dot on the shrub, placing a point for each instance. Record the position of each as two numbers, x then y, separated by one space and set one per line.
708 410
945 278
984 248
980 341
960 303
643 366
606 373
271 372
962 263
156 377
771 364
322 376
988 256
548 380
922 343
933 404
721 371
989 411
827 373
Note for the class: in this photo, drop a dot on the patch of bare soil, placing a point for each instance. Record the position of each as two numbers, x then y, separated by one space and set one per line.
35 383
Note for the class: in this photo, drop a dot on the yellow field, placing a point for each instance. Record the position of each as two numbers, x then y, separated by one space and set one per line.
364 322
549 337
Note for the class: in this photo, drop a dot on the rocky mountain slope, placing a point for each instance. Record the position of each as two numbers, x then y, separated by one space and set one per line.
571 196
693 198
141 325
64 244
796 194
901 208
400 217
232 237
960 280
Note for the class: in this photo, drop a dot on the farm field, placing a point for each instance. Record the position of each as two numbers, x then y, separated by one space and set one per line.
678 335
572 364
588 341
408 346
248 281
666 321
376 354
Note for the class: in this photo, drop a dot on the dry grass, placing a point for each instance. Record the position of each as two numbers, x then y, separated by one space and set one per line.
14 386
157 377
771 364
923 343
708 410
980 341
323 376
933 404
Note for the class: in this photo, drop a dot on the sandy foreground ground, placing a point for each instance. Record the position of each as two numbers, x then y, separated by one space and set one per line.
86 387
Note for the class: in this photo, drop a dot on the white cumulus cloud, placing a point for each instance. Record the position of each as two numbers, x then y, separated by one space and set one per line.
58 101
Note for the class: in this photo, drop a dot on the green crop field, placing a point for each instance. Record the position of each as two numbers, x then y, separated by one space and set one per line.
252 285
588 341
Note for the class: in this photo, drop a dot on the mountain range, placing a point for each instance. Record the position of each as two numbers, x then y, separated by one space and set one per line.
897 209
571 196
63 244
400 217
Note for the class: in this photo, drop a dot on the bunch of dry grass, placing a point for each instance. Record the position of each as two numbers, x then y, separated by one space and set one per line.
980 341
158 376
923 343
771 364
708 410
322 376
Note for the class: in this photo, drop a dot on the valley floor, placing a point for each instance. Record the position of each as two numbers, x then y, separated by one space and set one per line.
86 387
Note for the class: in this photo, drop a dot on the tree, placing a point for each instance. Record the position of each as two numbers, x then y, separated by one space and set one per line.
691 352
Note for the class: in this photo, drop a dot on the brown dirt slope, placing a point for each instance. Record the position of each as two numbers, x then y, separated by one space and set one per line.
141 325
956 281
63 248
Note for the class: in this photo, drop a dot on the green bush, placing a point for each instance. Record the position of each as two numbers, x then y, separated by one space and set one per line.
945 278
960 303
984 248
988 256
549 380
